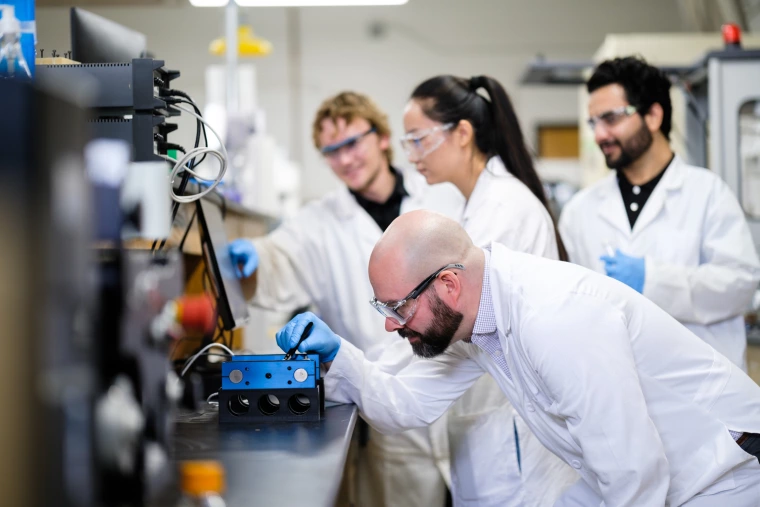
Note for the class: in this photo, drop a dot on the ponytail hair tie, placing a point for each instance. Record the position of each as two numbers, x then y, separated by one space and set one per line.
477 82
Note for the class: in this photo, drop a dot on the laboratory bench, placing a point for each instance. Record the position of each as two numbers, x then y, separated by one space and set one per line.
273 464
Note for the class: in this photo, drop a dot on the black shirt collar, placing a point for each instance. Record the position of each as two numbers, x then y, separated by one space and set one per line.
636 196
385 213
398 190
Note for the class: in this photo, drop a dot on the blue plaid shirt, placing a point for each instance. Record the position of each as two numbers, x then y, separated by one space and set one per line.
484 334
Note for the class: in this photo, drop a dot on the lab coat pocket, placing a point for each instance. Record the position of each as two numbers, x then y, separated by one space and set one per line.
681 246
477 440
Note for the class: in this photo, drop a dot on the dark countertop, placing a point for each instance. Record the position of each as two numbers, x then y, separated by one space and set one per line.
272 464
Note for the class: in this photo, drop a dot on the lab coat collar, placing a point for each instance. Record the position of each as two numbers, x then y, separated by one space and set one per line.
674 177
485 322
612 209
346 206
494 168
500 289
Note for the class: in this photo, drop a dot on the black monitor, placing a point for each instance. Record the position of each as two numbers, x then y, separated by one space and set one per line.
231 304
95 39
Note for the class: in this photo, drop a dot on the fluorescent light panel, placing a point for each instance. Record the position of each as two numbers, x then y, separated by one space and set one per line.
315 3
208 3
296 3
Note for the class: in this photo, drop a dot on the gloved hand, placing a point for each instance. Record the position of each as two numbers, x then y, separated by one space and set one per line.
321 340
243 252
627 269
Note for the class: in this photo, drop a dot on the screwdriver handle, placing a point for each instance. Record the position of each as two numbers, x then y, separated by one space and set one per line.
304 335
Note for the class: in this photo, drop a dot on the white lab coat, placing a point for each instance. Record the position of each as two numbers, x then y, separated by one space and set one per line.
701 265
320 257
501 208
605 379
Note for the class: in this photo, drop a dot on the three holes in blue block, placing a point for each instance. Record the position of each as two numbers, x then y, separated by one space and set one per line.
269 404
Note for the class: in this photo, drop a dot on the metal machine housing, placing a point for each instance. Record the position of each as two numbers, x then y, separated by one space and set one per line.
265 388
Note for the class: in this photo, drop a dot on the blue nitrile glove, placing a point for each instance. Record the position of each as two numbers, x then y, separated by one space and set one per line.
627 269
243 252
321 340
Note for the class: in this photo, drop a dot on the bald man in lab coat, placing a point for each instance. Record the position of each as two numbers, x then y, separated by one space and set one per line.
647 412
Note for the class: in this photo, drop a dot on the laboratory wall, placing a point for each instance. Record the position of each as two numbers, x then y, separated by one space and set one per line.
382 51
753 17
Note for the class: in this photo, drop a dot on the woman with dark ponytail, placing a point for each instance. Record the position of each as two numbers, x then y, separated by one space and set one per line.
466 132
456 134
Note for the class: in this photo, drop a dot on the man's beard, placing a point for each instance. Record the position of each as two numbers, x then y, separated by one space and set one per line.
438 336
634 148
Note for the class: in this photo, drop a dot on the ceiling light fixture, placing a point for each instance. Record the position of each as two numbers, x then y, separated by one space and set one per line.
297 3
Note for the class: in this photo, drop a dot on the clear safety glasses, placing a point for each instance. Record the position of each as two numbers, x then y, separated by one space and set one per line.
402 311
611 117
332 151
420 144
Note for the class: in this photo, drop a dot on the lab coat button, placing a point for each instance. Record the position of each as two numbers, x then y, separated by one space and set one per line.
530 408
576 464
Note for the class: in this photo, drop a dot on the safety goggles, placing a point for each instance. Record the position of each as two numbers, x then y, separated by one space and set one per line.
612 117
402 311
419 145
349 144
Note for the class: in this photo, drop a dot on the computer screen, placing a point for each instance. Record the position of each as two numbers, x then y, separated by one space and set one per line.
95 39
231 304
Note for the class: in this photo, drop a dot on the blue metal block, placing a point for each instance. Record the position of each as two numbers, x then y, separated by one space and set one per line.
270 372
